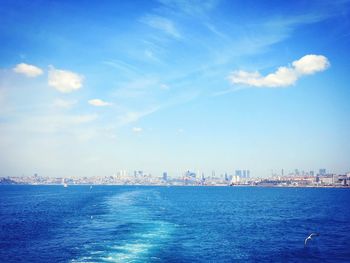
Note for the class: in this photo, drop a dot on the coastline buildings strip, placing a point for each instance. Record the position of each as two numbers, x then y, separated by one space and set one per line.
191 178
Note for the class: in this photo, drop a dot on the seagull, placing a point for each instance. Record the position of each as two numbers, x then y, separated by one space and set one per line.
310 237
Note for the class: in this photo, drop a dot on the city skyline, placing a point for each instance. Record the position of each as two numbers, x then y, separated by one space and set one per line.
172 85
191 178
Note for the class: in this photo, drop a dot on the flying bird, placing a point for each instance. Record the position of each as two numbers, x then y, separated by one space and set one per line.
310 237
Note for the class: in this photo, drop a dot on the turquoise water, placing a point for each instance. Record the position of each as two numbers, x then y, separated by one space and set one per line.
173 224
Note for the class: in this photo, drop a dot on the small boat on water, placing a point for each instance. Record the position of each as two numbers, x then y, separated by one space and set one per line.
65 185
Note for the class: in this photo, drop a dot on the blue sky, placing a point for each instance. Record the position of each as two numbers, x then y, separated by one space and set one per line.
93 87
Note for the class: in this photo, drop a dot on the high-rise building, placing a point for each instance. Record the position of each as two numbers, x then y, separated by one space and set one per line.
322 171
165 176
248 174
238 173
122 173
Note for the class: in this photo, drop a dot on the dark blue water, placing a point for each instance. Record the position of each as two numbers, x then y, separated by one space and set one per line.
176 224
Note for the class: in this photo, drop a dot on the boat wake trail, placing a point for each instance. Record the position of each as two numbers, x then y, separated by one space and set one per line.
131 230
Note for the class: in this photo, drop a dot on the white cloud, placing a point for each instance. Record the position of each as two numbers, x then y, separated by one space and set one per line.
99 103
163 24
66 104
310 64
28 70
283 76
137 129
64 81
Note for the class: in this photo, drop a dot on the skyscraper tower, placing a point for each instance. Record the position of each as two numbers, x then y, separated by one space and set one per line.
238 173
322 171
165 176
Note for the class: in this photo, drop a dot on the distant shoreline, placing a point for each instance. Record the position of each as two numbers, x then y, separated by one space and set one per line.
167 186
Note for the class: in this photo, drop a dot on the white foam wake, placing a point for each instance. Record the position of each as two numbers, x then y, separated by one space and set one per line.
146 238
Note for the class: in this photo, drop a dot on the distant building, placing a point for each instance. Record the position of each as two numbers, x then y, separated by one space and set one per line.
189 175
165 176
327 179
235 179
122 173
226 177
322 172
242 173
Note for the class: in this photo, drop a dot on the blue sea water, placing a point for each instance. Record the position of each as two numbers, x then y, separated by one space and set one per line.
173 224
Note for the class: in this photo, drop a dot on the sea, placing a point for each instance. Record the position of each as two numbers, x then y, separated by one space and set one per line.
173 224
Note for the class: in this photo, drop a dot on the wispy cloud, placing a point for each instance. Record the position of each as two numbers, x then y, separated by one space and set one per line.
28 70
99 103
257 36
163 24
292 21
137 129
137 87
133 116
49 123
78 119
64 81
164 86
191 7
149 54
66 104
283 76
214 30
121 65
